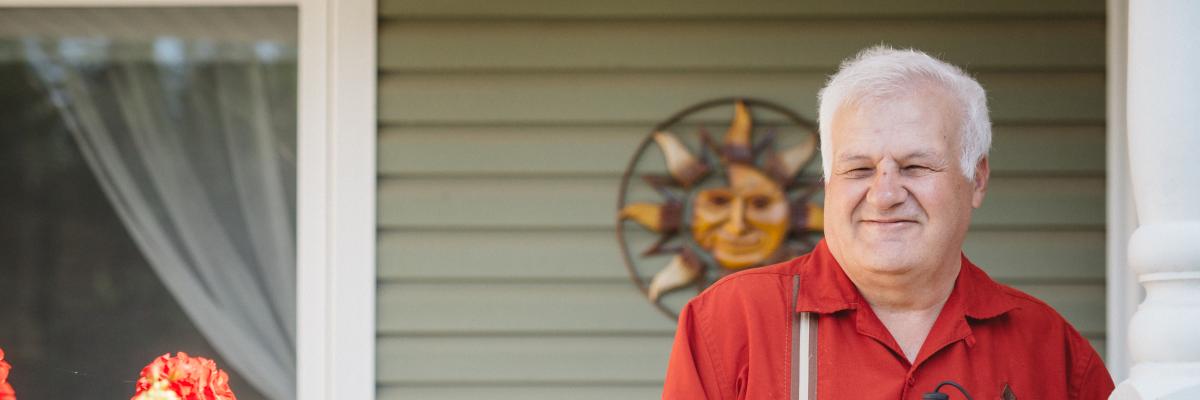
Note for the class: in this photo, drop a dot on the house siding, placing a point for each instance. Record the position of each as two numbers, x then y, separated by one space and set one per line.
505 127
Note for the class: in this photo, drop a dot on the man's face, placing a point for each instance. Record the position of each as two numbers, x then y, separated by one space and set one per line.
743 224
896 200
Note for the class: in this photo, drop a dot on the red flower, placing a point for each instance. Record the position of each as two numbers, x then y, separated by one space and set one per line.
6 390
182 378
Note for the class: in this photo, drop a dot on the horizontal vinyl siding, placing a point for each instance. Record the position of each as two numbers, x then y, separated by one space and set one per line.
589 202
555 150
505 128
721 9
673 45
559 97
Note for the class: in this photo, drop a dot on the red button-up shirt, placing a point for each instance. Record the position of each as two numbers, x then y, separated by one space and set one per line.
733 341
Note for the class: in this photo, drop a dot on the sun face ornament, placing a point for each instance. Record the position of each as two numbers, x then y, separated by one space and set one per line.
700 209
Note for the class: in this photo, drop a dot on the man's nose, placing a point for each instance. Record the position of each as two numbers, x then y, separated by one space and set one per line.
737 217
886 189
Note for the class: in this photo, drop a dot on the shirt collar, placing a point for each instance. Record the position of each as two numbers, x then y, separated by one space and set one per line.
827 289
982 297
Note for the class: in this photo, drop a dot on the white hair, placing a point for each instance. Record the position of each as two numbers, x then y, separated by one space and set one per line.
882 72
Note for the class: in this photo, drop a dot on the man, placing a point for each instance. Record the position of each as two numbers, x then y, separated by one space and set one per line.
900 309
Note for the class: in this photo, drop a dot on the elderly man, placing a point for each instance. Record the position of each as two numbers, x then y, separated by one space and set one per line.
898 308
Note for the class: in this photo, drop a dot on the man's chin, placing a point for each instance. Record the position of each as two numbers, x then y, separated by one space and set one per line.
888 267
887 256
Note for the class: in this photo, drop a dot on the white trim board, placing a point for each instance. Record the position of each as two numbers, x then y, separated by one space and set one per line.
336 188
1124 293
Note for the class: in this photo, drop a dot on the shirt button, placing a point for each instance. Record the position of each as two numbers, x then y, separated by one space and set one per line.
911 381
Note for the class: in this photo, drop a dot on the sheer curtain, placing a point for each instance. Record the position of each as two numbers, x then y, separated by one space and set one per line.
193 142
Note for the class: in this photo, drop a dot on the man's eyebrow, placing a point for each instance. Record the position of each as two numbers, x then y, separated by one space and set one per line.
909 156
920 154
852 157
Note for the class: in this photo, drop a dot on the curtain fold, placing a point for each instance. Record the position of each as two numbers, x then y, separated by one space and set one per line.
195 150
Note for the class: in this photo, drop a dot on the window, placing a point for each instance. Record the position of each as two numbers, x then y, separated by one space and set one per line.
152 155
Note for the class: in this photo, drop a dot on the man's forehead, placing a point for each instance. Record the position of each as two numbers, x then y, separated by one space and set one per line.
908 127
921 153
919 141
851 155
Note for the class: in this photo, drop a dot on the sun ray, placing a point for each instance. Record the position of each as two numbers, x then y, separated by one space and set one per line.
785 164
679 272
660 246
661 218
764 143
681 163
661 185
737 138
708 141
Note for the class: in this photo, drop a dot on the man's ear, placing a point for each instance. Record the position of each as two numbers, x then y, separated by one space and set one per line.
982 171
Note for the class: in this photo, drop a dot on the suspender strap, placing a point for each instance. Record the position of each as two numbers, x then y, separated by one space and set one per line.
804 350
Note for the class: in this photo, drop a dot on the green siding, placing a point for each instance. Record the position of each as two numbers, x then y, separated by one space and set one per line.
815 45
540 150
590 202
619 97
715 9
505 127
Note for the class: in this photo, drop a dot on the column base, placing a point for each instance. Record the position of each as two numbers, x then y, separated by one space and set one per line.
1160 381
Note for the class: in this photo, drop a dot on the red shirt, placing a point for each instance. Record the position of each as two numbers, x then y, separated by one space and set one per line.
733 341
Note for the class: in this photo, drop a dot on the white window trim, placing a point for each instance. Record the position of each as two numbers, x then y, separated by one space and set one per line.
336 188
1124 293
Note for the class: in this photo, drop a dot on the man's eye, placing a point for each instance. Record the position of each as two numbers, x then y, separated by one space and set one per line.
718 200
917 168
859 172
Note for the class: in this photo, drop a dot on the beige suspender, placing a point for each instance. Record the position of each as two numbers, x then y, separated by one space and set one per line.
804 350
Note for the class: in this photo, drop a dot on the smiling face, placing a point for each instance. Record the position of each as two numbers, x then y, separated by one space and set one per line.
896 200
743 224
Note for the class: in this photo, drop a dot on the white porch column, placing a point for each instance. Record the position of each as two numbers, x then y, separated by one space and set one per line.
1164 149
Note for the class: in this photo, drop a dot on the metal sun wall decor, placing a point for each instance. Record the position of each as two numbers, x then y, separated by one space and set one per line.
698 209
